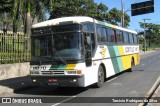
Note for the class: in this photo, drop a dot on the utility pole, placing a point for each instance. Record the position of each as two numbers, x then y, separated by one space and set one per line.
145 34
122 18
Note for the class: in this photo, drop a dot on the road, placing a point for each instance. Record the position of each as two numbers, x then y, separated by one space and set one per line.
127 84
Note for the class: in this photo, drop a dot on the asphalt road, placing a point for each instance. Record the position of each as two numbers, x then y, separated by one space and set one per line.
126 84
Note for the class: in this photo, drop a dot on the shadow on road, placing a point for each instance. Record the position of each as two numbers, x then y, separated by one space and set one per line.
53 91
14 84
22 85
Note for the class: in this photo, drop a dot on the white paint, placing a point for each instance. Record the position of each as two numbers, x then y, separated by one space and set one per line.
56 104
142 64
111 79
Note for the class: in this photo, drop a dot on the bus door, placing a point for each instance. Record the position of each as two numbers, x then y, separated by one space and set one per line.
88 49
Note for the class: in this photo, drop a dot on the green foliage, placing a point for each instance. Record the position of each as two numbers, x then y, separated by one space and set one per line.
152 33
65 8
26 12
5 6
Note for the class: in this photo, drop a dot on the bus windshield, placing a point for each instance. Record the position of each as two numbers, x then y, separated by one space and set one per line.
57 47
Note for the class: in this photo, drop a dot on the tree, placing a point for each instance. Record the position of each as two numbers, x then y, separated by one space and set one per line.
89 8
25 11
152 33
114 17
5 8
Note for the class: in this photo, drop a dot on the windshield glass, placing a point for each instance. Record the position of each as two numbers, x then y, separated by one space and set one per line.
41 47
56 47
67 46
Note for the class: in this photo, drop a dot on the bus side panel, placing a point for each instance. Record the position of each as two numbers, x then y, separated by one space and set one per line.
115 55
109 67
126 60
102 56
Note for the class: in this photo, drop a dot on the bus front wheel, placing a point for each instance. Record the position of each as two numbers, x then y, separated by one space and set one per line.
100 77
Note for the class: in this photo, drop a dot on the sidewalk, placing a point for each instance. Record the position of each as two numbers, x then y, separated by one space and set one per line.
156 94
20 83
146 52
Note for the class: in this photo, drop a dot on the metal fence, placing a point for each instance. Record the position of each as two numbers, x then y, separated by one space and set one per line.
14 48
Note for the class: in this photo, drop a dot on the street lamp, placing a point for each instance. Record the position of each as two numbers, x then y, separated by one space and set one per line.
145 35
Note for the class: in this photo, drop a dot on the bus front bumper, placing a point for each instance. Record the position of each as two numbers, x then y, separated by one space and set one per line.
62 81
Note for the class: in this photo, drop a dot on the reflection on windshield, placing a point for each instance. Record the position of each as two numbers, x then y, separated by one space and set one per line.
41 47
59 47
68 46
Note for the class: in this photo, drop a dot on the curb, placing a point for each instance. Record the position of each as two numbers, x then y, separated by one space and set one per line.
142 53
151 92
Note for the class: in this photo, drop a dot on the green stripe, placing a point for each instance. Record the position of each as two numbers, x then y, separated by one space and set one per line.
116 61
119 59
58 67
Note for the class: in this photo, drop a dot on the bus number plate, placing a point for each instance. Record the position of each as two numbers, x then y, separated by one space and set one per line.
39 68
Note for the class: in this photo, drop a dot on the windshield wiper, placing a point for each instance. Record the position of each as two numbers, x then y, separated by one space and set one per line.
54 52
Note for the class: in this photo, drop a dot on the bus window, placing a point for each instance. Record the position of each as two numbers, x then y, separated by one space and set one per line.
131 38
126 37
93 41
115 37
135 39
112 35
88 27
103 34
119 36
99 33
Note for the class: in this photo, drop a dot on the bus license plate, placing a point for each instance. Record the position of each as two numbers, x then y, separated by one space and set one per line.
39 68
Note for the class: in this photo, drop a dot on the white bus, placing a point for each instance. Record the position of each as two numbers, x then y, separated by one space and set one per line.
80 51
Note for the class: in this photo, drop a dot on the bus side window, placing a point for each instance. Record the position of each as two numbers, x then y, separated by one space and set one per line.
115 37
130 38
126 37
119 36
93 42
99 33
103 34
110 35
135 39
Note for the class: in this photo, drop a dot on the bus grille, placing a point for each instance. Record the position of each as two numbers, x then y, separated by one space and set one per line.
52 72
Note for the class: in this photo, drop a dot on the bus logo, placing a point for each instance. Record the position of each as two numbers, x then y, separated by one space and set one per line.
103 52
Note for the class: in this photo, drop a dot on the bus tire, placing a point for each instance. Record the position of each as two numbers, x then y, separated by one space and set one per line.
132 65
100 77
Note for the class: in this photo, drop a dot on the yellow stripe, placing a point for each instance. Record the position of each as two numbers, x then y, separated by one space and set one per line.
121 50
70 66
124 58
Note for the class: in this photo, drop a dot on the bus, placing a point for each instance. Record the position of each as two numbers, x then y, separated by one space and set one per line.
79 51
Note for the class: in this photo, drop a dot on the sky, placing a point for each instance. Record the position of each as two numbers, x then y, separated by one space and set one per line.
134 20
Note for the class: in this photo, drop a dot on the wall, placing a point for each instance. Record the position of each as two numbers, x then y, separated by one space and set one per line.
8 71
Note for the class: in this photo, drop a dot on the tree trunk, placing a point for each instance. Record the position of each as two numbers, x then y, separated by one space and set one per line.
27 29
5 24
28 23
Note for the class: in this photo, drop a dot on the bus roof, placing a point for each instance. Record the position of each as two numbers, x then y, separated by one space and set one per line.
78 19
